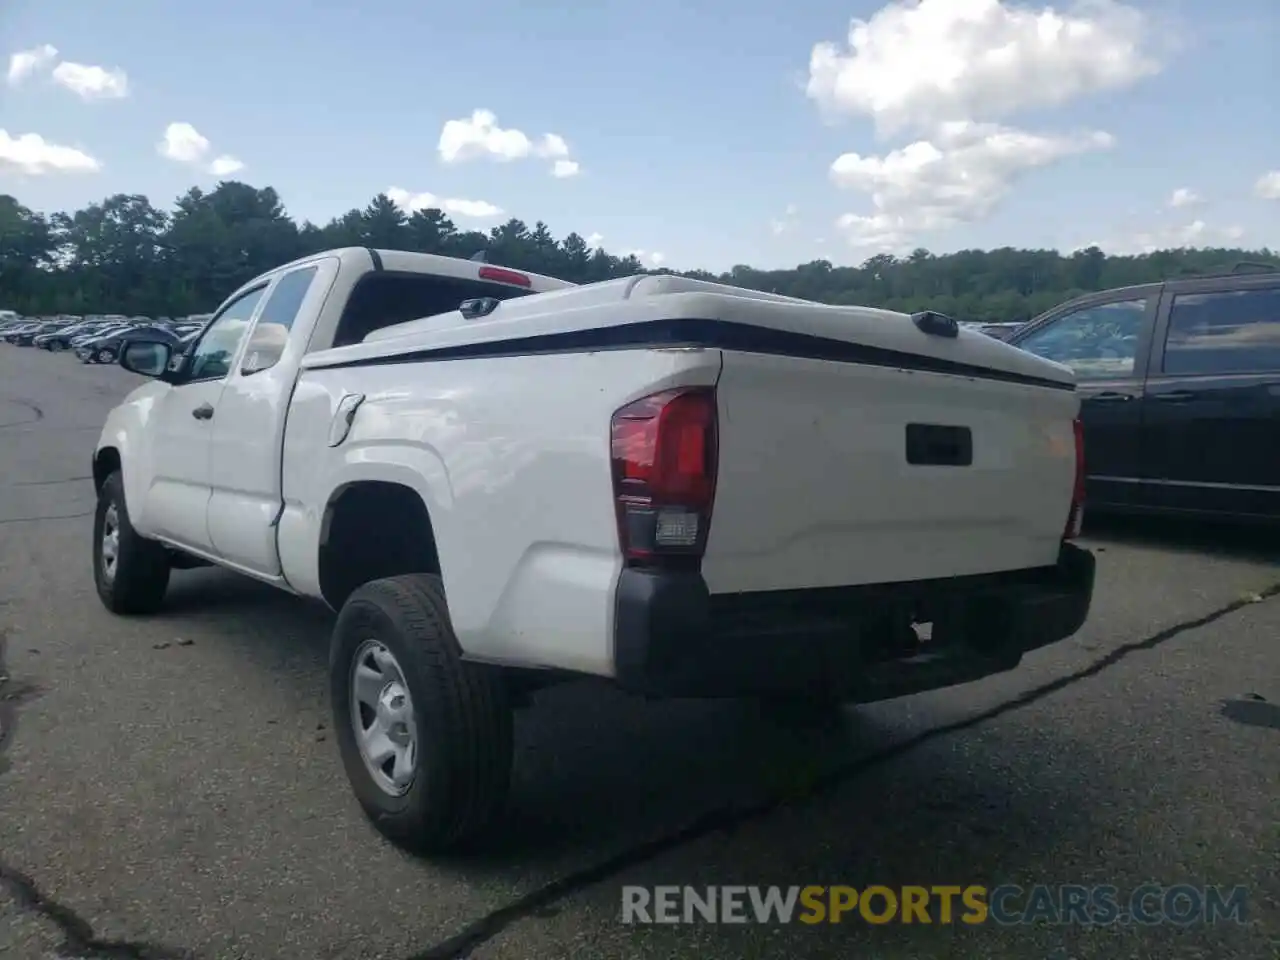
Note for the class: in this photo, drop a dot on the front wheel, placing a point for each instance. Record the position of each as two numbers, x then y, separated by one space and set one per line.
425 737
130 571
104 356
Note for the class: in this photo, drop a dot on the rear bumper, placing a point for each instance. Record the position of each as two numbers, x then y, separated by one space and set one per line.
673 638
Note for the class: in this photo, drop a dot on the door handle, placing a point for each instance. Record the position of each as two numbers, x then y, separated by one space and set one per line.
203 412
1174 396
1109 396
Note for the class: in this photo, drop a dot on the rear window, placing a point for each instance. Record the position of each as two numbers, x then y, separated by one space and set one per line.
1234 331
385 299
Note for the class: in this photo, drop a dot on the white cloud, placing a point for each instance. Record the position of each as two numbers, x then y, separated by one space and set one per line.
649 258
551 145
917 63
183 143
413 202
32 154
593 240
84 80
480 136
225 166
26 63
786 222
959 176
1183 197
1197 233
1268 186
90 82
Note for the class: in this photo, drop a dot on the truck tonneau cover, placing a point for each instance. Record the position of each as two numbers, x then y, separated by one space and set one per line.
669 311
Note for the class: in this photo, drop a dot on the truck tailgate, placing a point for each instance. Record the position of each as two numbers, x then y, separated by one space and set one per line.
817 486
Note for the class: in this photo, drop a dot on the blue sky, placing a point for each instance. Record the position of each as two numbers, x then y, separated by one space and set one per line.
698 134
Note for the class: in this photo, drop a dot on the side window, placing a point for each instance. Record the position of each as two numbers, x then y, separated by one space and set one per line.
1229 332
1098 343
212 357
271 333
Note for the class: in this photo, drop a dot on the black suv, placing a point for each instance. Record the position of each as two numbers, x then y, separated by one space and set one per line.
1180 391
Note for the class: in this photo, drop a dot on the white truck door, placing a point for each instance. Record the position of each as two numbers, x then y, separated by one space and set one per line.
178 497
248 433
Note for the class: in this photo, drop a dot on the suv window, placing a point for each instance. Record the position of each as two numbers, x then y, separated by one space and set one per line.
212 357
271 333
1234 331
1098 342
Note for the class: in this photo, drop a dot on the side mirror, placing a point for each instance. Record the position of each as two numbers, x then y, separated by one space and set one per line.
150 358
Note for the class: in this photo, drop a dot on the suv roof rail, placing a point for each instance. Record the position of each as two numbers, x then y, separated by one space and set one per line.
1237 268
1261 266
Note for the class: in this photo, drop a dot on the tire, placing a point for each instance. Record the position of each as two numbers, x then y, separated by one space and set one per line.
104 356
136 580
454 789
815 711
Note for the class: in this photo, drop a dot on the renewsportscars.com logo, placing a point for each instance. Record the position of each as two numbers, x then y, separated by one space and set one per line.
1008 905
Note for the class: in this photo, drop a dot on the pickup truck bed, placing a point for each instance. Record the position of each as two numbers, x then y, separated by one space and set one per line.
690 489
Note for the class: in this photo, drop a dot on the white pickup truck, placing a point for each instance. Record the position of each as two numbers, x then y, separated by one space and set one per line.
501 480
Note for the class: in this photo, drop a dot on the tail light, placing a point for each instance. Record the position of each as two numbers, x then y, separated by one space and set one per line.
1076 517
665 454
502 275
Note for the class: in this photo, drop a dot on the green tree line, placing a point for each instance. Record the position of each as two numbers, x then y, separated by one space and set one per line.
125 255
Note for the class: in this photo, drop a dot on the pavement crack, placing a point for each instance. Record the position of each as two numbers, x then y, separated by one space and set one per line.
9 702
36 413
52 516
49 483
725 819
78 940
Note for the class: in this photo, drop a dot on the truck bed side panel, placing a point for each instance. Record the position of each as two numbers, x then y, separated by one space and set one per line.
816 489
511 455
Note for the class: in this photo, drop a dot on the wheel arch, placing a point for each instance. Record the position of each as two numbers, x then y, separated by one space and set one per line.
372 529
106 461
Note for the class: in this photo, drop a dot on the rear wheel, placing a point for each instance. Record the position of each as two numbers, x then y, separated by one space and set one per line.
813 711
130 572
426 738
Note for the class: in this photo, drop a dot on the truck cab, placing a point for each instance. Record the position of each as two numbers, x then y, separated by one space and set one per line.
207 479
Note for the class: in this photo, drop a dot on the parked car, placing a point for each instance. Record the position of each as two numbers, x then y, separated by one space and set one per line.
1180 390
689 488
62 337
85 346
106 349
25 336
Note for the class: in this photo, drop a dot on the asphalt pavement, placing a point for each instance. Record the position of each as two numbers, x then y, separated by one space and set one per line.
169 786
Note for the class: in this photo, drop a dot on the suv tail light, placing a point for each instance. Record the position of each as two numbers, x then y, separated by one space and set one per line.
1076 517
665 454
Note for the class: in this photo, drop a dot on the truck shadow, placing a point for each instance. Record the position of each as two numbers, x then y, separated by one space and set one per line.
604 777
1204 537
